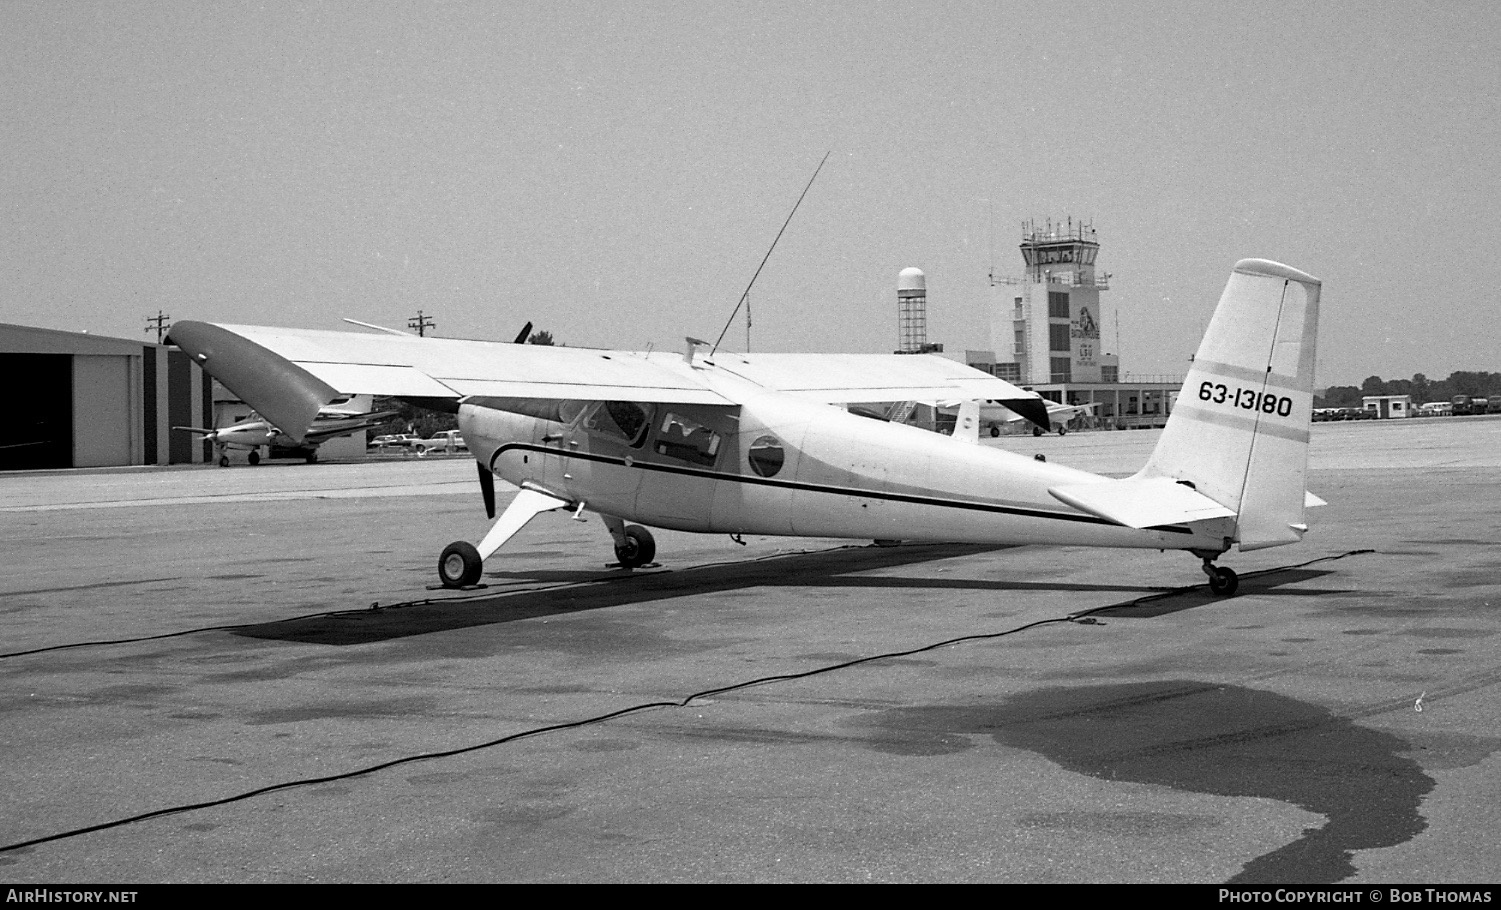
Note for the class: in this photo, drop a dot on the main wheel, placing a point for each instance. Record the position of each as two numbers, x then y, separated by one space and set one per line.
994 432
1037 431
1062 430
255 457
1224 581
312 458
639 548
223 461
460 565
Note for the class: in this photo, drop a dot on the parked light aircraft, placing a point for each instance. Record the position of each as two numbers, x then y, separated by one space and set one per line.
330 422
991 416
750 444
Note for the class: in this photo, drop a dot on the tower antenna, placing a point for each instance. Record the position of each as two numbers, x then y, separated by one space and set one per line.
748 287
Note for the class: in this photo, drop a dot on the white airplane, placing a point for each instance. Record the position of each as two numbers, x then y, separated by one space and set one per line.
330 422
986 415
750 444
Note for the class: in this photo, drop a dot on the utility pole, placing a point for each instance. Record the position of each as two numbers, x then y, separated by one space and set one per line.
421 323
162 325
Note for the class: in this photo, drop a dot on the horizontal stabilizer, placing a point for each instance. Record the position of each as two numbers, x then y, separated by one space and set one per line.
1142 502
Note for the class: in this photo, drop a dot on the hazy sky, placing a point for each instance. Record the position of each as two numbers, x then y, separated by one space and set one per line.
614 172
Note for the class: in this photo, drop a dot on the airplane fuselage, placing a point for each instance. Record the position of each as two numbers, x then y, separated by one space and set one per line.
777 464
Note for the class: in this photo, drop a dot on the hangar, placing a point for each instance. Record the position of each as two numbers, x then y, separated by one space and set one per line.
91 401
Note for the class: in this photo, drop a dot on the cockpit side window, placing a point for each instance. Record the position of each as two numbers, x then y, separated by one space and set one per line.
626 421
686 439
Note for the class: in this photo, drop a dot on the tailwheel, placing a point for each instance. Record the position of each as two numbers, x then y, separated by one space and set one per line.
460 565
639 548
1222 581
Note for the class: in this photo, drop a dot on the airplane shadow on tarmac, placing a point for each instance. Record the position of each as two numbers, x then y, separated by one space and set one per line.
573 592
1277 581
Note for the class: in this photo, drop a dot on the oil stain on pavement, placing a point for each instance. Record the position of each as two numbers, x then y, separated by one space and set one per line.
1216 739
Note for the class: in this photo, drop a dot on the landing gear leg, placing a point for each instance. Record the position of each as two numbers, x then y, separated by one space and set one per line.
461 562
1222 580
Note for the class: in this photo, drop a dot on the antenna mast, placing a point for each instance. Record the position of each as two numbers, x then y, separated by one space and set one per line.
746 296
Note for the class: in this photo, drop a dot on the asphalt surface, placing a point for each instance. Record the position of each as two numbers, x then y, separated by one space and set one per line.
1337 721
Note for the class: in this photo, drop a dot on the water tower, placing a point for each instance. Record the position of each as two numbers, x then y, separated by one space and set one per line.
912 313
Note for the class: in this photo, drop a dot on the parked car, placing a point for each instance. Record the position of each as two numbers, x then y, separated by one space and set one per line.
404 441
449 441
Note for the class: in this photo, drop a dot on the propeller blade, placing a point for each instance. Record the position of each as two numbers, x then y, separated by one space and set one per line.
487 489
524 334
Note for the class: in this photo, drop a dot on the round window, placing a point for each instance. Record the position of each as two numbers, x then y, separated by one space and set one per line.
766 456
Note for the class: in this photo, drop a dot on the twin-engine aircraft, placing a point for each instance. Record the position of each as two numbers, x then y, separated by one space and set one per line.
756 444
253 432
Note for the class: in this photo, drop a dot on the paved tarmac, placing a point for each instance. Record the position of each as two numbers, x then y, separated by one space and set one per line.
1337 721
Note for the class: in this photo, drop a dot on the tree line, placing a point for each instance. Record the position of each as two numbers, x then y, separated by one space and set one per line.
1421 388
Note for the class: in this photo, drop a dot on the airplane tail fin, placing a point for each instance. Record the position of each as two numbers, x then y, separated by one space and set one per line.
1239 431
967 422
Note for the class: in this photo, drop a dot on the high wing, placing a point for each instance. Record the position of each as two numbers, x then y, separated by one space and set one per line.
288 374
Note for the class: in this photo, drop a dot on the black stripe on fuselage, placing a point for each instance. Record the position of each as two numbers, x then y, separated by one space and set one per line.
823 488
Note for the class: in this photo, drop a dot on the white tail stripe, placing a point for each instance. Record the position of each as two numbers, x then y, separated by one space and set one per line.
1238 421
1246 374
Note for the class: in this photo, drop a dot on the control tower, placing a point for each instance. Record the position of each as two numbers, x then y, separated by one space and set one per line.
1051 315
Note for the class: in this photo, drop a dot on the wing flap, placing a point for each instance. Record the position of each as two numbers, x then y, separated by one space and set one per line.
844 378
584 390
1142 502
361 378
854 377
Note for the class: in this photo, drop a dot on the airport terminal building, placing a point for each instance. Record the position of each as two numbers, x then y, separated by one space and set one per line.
91 401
